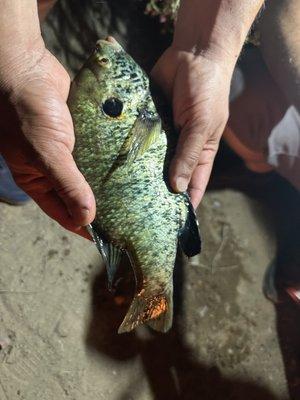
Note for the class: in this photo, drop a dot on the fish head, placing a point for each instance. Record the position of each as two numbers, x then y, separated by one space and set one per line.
108 95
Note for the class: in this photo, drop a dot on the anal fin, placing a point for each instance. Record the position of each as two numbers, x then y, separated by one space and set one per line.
111 254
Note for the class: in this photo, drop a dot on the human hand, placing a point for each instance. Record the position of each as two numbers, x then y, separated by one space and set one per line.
198 87
37 138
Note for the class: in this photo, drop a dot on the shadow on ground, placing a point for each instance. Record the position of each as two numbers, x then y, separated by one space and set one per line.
284 203
168 362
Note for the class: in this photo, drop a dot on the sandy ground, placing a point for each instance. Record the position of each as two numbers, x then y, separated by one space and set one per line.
58 322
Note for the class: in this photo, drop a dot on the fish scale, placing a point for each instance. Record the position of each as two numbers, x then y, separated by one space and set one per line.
122 151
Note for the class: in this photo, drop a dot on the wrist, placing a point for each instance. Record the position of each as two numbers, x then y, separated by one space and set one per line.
19 23
18 65
220 64
214 29
21 43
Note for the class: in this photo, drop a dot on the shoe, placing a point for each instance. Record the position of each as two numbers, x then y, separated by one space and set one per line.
294 293
282 278
9 192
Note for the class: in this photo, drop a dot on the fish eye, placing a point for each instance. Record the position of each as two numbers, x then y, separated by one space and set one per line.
113 107
103 61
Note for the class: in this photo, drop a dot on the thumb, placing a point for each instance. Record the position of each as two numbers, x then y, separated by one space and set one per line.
70 185
188 151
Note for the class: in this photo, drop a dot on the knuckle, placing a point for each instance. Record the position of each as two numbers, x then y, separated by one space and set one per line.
192 158
187 164
71 191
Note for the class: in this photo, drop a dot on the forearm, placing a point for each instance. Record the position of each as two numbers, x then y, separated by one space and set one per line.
21 43
216 28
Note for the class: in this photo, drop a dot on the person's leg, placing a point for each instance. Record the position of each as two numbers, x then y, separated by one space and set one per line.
280 45
280 48
264 125
255 115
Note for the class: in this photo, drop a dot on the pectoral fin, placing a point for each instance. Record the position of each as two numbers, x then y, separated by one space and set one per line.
111 254
189 236
143 134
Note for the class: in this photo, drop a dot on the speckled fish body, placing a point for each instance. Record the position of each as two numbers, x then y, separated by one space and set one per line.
121 150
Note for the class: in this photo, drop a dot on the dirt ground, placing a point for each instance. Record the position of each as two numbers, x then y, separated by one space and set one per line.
58 322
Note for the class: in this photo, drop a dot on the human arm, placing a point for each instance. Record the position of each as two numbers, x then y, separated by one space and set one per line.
36 131
195 72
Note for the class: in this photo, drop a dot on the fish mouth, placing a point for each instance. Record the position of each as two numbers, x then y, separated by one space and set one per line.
109 40
104 52
112 40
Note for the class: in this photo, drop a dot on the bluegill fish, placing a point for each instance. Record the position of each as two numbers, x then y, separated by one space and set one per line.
122 150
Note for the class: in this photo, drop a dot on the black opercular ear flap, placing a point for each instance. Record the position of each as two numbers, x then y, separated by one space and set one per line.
113 107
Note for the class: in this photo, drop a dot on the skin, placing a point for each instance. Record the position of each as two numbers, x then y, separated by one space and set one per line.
38 138
280 24
136 211
195 72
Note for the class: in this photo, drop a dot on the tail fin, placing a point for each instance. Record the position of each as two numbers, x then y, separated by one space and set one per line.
156 311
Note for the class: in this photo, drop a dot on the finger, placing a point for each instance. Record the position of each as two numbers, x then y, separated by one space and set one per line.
186 159
55 208
41 190
70 186
199 183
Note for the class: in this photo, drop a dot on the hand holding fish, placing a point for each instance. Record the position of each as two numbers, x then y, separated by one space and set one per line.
195 72
199 88
37 136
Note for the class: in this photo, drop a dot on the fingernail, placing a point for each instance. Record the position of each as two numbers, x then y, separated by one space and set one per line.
78 210
80 215
85 212
181 184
